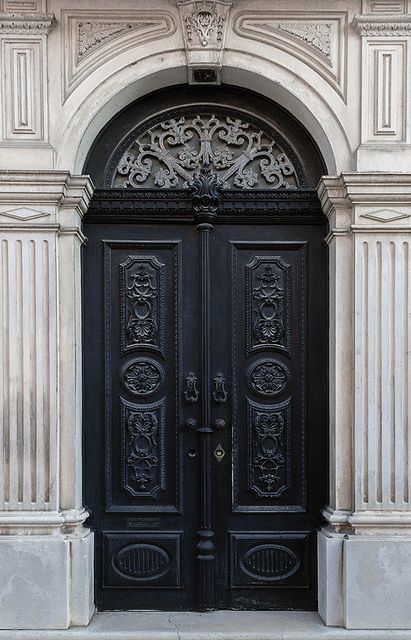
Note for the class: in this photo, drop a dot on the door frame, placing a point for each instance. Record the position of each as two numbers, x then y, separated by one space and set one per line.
115 206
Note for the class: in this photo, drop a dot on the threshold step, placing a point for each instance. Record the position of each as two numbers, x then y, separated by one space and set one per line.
215 625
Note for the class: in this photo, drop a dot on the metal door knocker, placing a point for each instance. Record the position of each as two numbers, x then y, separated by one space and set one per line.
191 392
219 393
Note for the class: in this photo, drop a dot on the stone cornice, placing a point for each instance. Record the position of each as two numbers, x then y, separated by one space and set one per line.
382 25
27 24
365 188
58 188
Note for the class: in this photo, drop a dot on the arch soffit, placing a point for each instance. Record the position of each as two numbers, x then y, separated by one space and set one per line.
103 100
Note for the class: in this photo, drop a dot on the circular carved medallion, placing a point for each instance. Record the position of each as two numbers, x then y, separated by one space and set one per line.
142 377
267 377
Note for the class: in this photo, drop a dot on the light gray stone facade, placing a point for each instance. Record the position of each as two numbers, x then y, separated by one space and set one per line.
342 69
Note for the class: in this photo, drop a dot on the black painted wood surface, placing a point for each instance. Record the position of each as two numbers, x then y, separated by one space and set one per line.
205 402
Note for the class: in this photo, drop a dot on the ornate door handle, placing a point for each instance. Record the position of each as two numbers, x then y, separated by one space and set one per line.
191 392
219 392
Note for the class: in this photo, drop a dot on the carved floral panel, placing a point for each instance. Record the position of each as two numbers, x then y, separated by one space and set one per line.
268 304
142 304
268 430
142 448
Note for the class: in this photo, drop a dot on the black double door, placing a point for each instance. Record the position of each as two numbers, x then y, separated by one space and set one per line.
205 405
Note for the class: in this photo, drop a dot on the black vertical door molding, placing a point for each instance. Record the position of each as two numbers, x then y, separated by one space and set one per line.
205 402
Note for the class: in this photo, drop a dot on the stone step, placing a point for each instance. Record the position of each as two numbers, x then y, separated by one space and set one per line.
216 625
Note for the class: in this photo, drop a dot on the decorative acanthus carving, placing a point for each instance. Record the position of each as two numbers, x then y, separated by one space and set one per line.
26 24
92 34
371 25
269 435
141 309
142 429
267 449
267 303
317 35
204 26
168 155
206 188
142 326
204 22
268 327
318 39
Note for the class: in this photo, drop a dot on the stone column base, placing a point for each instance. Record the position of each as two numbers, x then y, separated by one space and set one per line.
364 580
46 580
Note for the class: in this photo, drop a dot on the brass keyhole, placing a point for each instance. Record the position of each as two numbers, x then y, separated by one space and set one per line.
219 453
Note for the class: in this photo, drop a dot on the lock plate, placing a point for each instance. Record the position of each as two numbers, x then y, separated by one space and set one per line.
219 453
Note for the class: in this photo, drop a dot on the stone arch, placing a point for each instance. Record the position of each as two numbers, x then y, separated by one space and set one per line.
122 87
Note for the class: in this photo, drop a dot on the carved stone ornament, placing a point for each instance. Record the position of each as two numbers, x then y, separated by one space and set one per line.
316 35
26 24
318 39
370 25
170 153
92 34
204 23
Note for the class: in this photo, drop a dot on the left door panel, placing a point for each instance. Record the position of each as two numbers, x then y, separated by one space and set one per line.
135 284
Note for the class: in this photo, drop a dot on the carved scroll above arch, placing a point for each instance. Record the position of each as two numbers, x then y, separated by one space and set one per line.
92 37
318 39
168 152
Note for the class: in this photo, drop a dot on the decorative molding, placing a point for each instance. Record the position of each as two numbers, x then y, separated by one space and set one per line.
24 90
26 24
318 40
204 25
317 35
92 34
385 215
23 214
386 7
385 84
24 6
382 25
56 188
92 37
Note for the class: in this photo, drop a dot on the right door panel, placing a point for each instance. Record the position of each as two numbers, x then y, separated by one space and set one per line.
275 305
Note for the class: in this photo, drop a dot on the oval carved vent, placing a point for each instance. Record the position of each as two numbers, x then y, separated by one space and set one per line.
270 562
141 562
